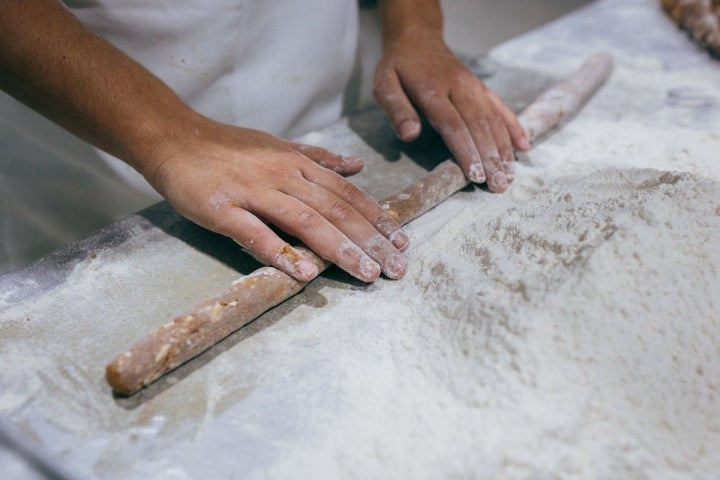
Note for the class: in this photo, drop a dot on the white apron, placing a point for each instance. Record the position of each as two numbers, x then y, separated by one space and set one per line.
279 66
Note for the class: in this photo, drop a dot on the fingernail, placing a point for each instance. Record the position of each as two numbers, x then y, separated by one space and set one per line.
400 240
396 266
408 129
351 162
295 263
499 180
524 143
476 173
369 270
305 270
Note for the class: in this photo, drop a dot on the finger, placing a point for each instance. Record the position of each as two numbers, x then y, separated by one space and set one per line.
503 144
380 219
517 132
337 163
348 220
446 120
389 93
321 236
264 244
502 141
489 135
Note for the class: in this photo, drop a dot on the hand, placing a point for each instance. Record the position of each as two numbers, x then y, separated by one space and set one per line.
228 179
417 70
232 180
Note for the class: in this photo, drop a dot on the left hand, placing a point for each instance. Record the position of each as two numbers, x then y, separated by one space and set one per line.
417 70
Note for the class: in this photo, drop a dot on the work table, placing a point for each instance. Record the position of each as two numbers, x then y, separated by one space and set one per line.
239 408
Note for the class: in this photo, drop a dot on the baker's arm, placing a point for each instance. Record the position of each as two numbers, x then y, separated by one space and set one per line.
228 179
417 71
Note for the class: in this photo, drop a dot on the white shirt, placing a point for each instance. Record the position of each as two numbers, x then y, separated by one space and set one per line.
279 66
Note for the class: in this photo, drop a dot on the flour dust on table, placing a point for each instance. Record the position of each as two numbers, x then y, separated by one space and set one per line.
576 325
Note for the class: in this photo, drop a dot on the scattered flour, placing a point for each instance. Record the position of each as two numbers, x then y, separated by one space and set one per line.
574 334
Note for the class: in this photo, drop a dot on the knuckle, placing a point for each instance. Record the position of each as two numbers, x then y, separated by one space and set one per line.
352 194
431 84
394 103
306 219
379 247
222 215
431 93
490 155
464 83
254 240
278 170
481 125
497 122
448 125
492 166
506 152
381 83
378 87
339 211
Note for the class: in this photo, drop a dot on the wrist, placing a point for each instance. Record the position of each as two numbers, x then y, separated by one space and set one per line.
158 138
402 19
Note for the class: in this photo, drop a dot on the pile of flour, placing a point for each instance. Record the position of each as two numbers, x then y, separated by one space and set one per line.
574 333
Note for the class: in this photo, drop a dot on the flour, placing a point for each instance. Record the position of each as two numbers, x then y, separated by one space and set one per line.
567 328
574 334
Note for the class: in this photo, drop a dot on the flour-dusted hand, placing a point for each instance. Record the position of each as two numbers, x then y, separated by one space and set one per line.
232 180
417 71
235 181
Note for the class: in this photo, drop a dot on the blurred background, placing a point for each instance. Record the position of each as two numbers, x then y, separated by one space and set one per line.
472 28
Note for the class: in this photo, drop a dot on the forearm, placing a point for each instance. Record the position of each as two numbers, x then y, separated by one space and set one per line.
56 66
400 17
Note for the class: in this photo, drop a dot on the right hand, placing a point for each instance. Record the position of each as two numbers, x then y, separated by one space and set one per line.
478 128
232 180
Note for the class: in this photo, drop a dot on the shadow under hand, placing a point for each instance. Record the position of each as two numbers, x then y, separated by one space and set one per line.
217 246
374 128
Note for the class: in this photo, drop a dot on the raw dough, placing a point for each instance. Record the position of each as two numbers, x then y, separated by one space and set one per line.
700 18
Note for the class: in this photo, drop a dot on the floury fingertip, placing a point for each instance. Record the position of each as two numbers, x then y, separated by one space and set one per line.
500 181
396 267
369 269
352 162
476 173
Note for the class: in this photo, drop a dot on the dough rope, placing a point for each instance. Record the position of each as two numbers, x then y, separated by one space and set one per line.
700 18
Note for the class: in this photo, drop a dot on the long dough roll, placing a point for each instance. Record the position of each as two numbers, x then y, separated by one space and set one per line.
700 18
